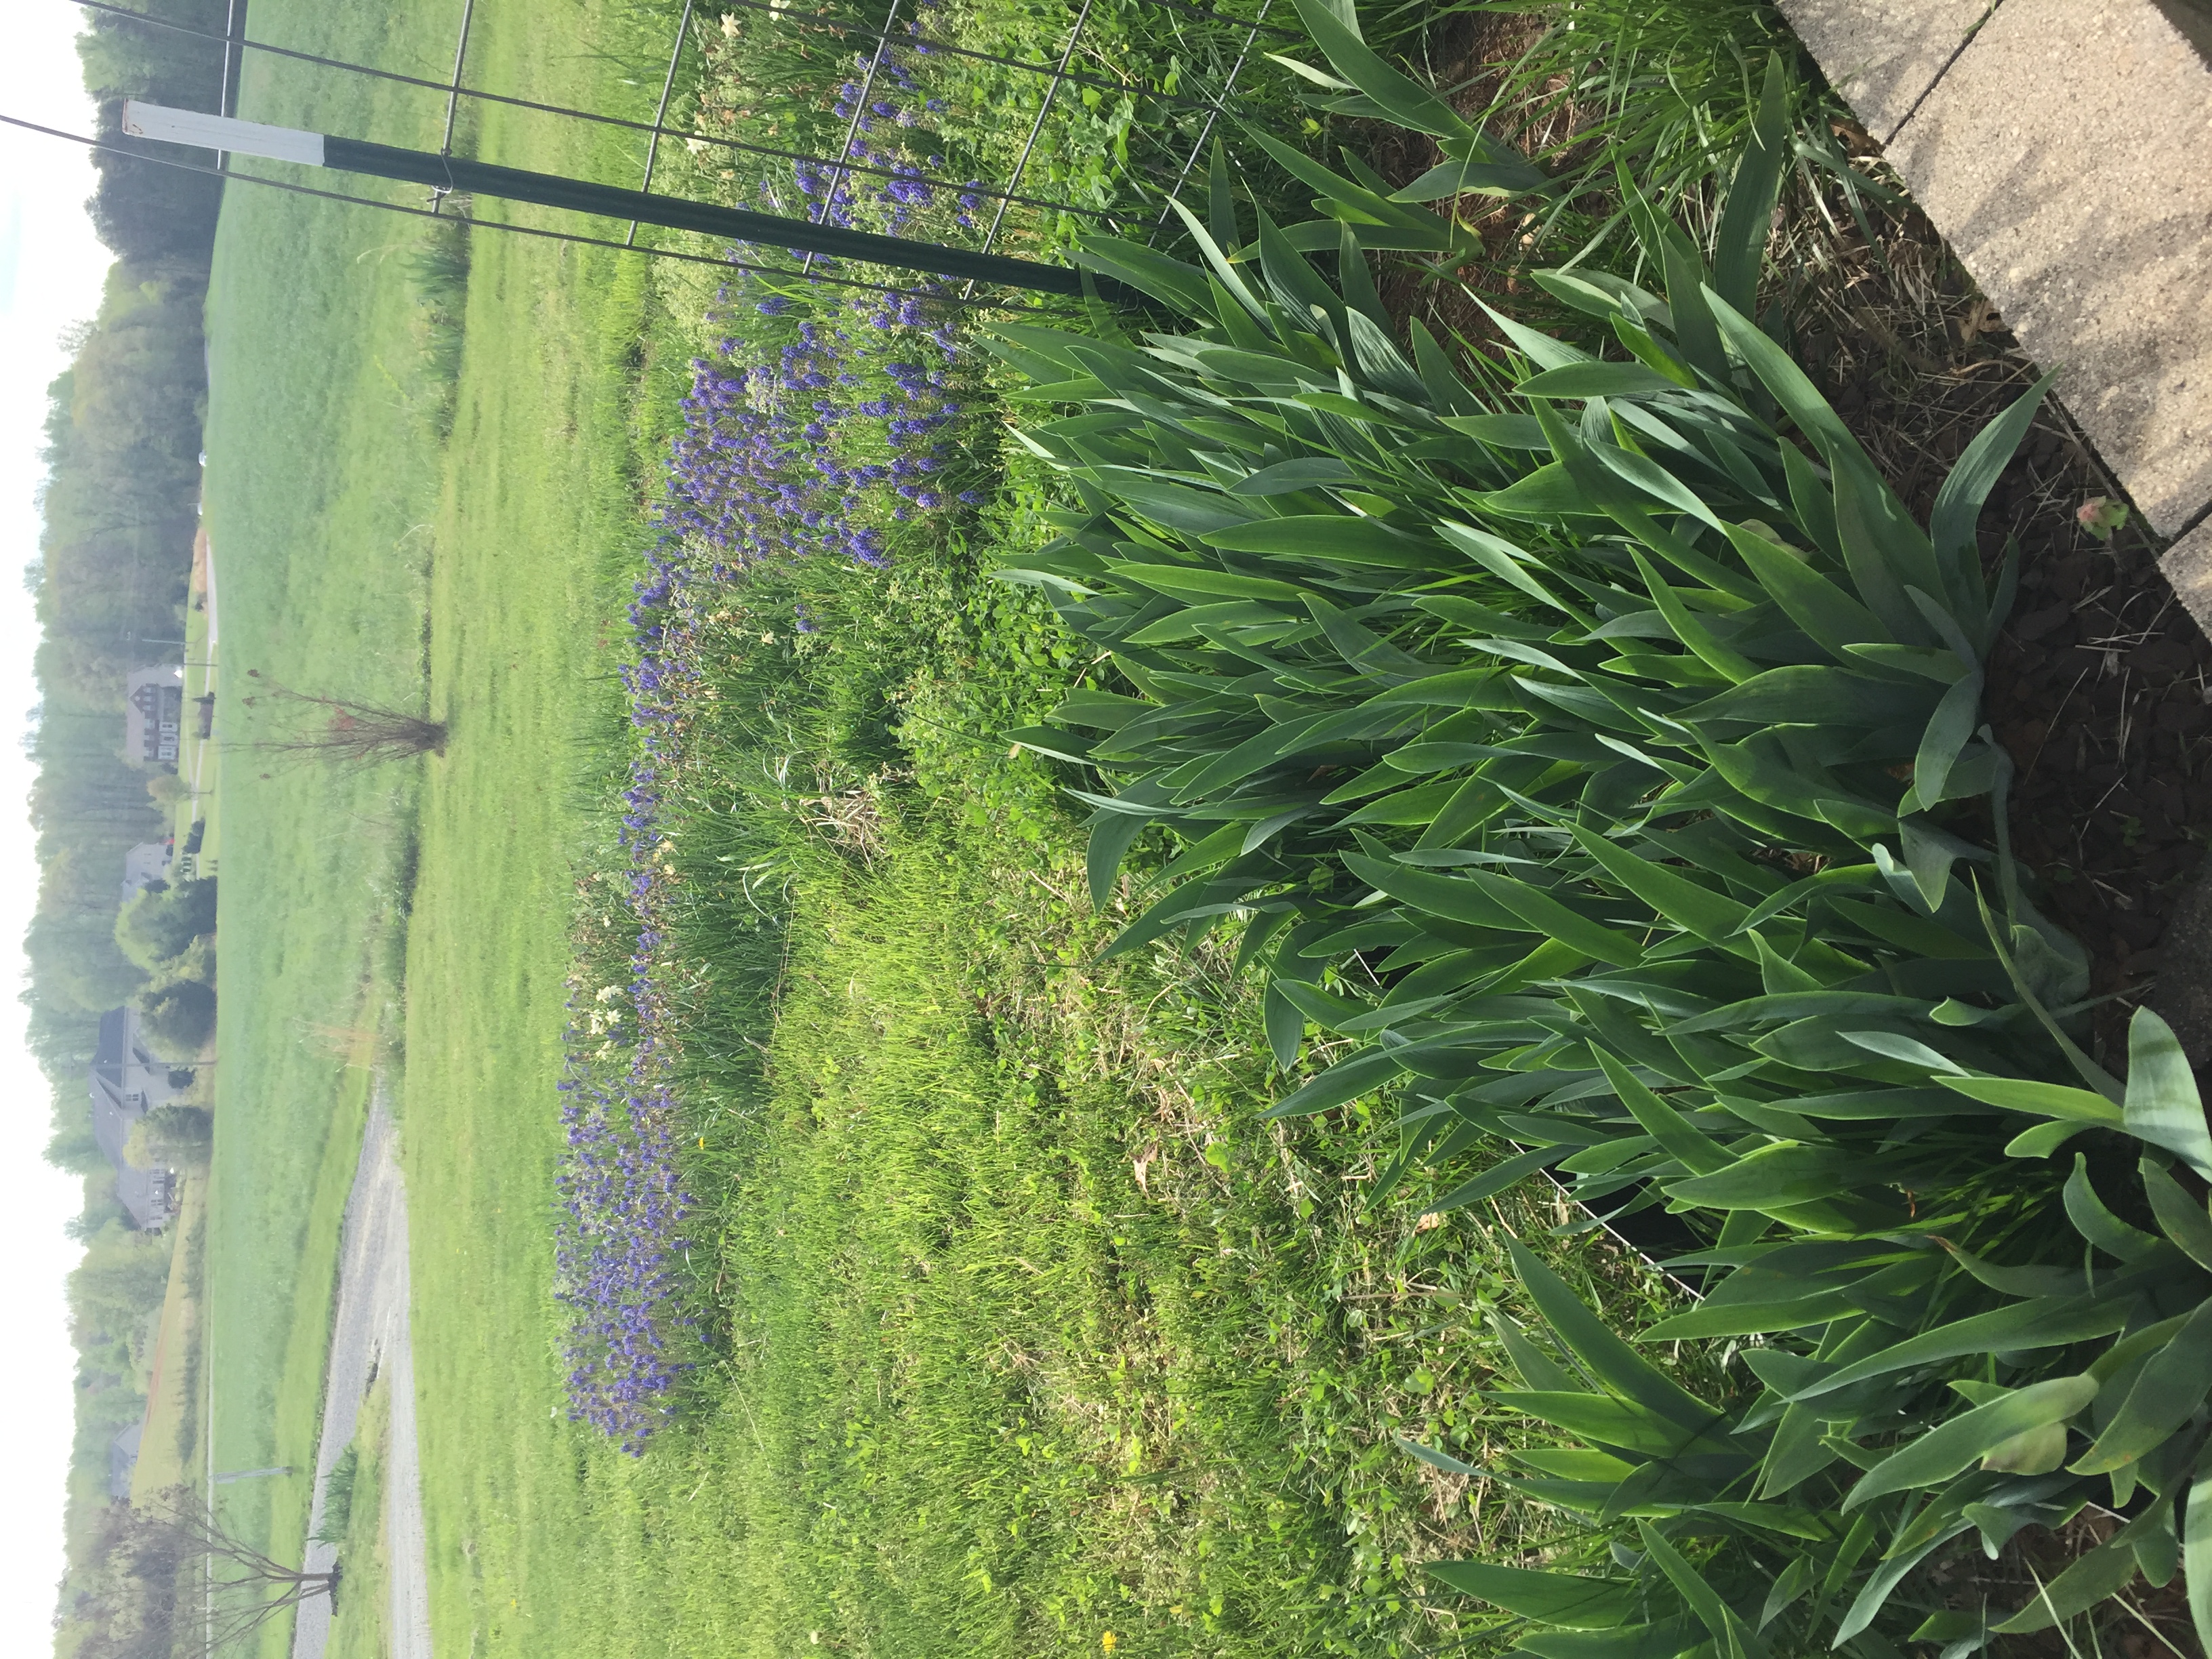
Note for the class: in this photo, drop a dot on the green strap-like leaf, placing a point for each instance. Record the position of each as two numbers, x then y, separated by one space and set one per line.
2166 1392
1229 278
2104 1571
1564 1599
1596 380
2043 1322
1740 240
2044 1099
1665 1640
1959 502
1603 1418
2097 1223
1830 617
2162 1105
1506 1173
1690 905
1285 1023
2181 1217
1112 835
1789 385
1178 285
1812 501
1692 631
1347 1081
1875 1592
1545 914
1400 97
1871 553
1948 728
1814 694
1456 898
1414 226
2196 1548
1611 1360
1697 1151
1736 1639
1944 1451
1197 584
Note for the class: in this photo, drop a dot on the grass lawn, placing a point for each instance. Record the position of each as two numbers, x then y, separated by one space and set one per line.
173 1395
320 480
332 501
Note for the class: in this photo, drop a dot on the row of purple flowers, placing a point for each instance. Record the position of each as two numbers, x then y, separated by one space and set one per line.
818 422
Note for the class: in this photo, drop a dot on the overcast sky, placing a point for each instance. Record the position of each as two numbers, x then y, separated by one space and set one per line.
51 269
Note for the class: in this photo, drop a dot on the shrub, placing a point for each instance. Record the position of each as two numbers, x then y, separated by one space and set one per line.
161 921
179 1017
171 1135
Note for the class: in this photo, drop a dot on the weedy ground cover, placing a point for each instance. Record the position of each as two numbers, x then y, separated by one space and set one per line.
1031 1334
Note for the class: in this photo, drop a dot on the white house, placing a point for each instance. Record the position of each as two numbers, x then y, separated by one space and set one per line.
148 861
154 715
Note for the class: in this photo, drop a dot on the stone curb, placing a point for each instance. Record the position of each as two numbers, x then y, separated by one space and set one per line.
2060 147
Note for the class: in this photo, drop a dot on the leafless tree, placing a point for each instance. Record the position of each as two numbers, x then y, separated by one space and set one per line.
351 732
246 1588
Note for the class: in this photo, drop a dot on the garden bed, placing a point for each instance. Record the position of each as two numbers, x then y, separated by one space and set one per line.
778 788
2100 687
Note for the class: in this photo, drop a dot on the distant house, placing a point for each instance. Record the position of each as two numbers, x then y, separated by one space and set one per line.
147 862
128 1081
154 715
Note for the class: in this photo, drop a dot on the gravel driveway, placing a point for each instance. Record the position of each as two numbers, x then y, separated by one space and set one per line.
369 1338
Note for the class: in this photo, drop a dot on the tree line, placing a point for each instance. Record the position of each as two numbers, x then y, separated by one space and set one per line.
119 504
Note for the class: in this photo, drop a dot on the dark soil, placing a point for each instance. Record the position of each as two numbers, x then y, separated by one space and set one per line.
2150 1622
2099 686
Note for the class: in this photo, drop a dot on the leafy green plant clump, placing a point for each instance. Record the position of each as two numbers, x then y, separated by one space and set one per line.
1591 733
337 1496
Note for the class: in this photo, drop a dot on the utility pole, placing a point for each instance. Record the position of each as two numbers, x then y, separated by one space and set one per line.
457 173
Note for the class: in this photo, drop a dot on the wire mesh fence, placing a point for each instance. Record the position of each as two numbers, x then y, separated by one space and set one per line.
998 128
1015 134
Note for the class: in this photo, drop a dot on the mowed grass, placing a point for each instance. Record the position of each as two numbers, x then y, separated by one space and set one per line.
360 557
320 481
541 502
173 1394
